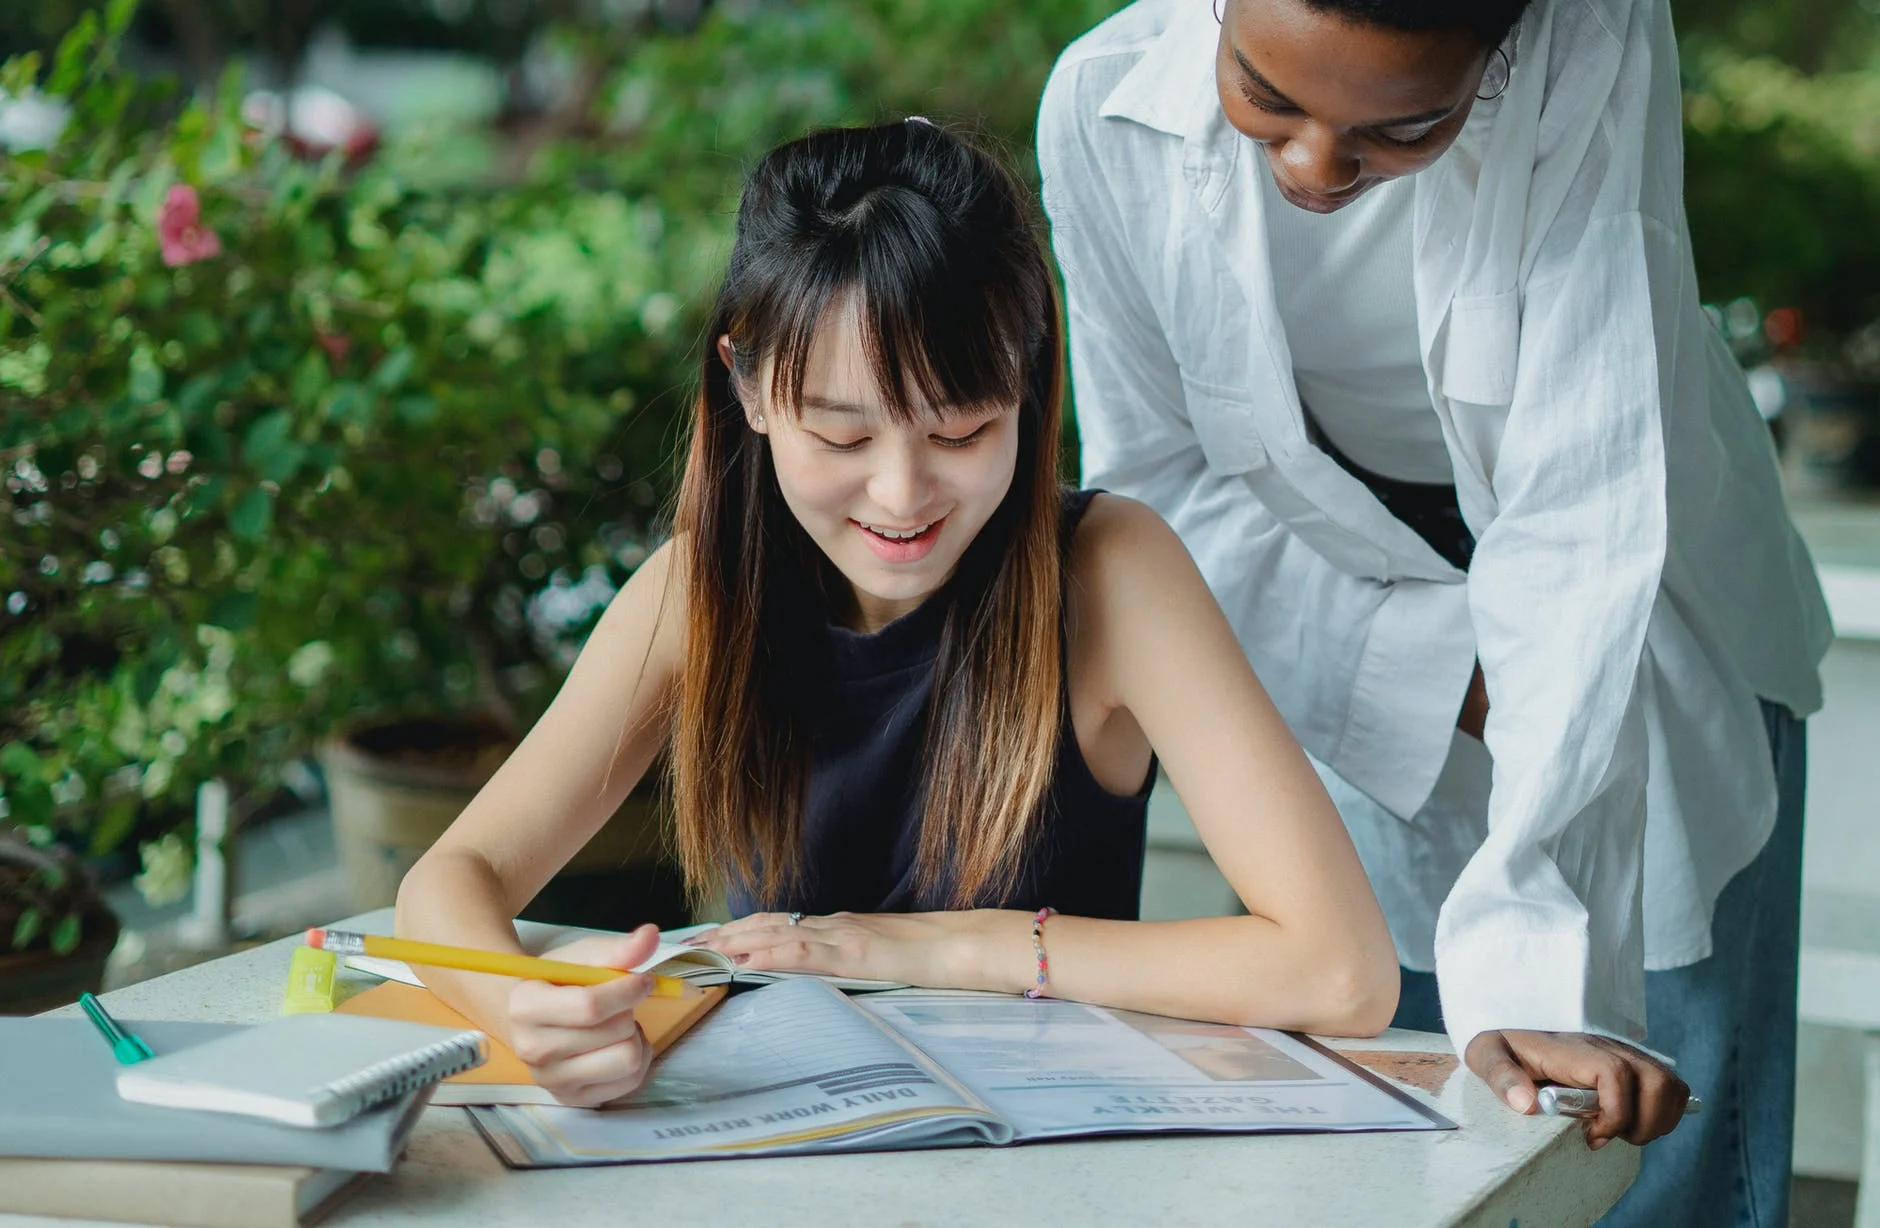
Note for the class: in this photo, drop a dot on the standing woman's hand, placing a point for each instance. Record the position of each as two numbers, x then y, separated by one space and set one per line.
581 1042
1640 1099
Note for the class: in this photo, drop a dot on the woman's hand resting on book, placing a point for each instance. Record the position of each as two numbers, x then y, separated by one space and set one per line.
581 1042
976 949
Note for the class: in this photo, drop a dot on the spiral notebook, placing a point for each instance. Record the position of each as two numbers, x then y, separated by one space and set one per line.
304 1070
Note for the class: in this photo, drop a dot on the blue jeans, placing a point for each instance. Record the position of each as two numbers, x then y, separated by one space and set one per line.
1729 1020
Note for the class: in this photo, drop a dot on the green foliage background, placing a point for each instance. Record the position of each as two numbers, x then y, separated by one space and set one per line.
392 449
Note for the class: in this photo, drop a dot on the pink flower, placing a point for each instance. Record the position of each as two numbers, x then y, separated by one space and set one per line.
336 345
181 235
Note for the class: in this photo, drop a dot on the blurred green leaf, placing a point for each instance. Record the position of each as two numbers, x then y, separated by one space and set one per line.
221 155
251 515
20 75
311 377
73 57
268 433
146 678
146 378
233 611
196 395
268 448
117 17
393 371
66 933
116 822
19 761
417 410
27 928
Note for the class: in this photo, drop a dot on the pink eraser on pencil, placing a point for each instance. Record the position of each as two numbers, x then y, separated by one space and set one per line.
316 938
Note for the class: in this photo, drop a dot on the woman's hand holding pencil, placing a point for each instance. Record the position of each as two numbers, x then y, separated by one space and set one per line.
581 1042
570 1018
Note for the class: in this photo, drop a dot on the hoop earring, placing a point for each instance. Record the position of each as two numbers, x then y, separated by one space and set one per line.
1507 74
1218 19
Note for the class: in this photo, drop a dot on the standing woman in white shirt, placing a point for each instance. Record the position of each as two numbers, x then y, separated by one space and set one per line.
1388 306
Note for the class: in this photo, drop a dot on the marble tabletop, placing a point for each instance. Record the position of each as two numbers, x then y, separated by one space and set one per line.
1498 1169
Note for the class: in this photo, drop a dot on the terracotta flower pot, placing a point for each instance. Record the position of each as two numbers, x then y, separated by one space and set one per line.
38 978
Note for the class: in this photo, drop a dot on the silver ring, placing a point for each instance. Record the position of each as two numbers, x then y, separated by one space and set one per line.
796 918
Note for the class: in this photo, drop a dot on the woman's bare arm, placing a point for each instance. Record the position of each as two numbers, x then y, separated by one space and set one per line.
1152 648
572 771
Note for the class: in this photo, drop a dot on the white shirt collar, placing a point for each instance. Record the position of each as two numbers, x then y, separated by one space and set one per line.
1163 91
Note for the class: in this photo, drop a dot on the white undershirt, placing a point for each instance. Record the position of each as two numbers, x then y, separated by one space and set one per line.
1347 302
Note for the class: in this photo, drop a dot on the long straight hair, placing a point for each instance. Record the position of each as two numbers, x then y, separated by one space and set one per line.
933 243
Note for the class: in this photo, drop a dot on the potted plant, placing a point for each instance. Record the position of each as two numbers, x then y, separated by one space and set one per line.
61 932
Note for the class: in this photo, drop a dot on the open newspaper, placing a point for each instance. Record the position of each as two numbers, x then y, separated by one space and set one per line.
796 1067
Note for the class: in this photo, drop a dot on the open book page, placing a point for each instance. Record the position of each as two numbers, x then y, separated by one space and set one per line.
1053 1068
674 958
787 1068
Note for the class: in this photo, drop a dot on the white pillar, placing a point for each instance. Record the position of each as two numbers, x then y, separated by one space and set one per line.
213 888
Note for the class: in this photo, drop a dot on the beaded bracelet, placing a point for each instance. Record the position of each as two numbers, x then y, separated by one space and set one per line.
1037 947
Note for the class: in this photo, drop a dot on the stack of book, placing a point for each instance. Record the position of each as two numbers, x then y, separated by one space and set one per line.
72 1144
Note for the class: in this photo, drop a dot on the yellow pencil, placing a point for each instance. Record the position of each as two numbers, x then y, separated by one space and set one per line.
468 959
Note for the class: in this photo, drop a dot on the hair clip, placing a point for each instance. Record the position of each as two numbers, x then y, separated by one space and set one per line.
921 119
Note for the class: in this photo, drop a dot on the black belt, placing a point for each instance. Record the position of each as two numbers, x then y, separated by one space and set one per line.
1430 509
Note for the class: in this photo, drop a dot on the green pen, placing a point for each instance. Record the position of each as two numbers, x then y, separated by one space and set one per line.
127 1047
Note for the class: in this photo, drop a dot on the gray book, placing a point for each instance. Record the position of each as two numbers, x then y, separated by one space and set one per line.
59 1100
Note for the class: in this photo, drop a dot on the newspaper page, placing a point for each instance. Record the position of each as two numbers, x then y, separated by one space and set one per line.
1052 1069
788 1068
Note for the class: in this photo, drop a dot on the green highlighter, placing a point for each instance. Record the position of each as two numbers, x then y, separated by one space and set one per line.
127 1047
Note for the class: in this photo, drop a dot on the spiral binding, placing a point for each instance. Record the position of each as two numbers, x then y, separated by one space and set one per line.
382 1081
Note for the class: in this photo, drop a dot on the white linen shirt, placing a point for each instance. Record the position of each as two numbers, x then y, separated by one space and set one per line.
1636 584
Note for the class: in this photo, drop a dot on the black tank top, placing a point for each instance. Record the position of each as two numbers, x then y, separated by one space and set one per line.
861 826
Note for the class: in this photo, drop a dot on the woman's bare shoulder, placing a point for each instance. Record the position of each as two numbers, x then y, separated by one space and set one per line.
1132 590
648 615
1121 542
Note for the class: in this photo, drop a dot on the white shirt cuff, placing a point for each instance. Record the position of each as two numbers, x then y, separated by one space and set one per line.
1534 981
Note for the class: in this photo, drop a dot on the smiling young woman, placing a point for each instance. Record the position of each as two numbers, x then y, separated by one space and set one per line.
1388 306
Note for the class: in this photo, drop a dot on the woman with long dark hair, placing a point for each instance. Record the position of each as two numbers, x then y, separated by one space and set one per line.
913 692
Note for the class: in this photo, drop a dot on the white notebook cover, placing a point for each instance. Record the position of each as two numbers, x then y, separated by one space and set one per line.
304 1070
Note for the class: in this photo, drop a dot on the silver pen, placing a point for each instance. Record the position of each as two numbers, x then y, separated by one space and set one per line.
1584 1102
